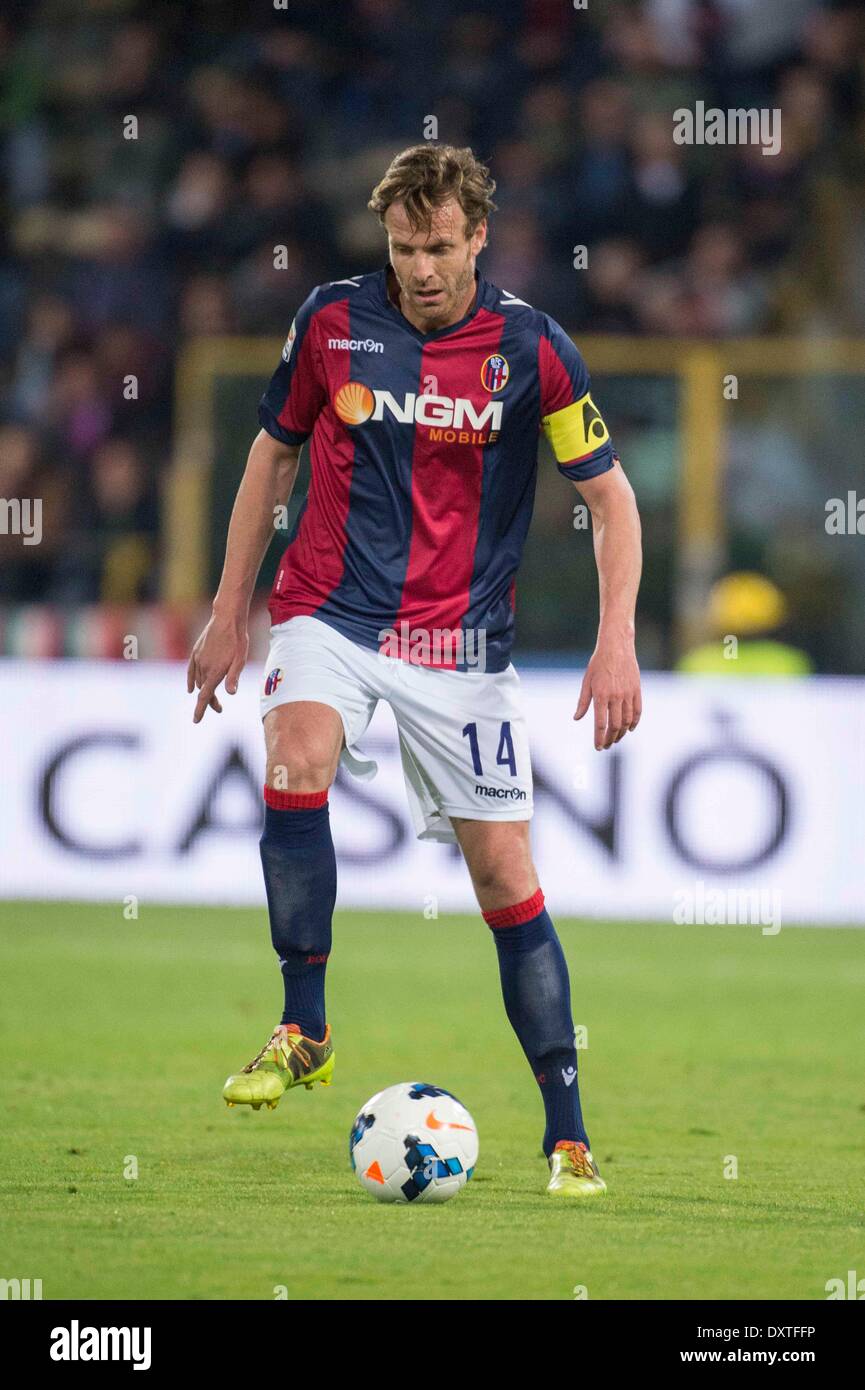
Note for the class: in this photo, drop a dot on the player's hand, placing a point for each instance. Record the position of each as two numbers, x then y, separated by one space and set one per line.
612 682
219 654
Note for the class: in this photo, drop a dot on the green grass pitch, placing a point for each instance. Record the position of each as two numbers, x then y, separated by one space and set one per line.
703 1042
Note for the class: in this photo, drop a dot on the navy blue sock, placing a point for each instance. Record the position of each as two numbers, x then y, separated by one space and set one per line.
299 865
537 995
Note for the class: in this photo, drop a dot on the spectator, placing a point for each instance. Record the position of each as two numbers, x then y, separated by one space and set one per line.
33 521
111 557
260 131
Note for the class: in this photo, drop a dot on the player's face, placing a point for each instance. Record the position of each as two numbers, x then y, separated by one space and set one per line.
435 267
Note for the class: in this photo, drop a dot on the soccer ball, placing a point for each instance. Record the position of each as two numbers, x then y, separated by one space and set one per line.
413 1143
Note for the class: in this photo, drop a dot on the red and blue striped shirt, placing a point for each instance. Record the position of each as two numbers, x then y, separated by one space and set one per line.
423 462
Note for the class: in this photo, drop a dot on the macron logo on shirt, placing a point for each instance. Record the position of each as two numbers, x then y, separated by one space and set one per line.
355 345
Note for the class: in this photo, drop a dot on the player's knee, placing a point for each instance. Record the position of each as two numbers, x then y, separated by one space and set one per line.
306 767
499 858
500 882
303 744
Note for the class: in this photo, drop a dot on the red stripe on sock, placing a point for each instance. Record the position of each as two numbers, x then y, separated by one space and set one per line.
520 912
294 801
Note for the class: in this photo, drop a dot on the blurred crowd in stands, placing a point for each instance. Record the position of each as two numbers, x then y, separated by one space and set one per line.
260 124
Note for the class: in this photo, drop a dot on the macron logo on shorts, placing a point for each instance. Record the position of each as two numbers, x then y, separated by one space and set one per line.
500 793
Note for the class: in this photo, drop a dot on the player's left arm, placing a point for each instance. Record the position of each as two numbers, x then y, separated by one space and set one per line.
584 453
612 679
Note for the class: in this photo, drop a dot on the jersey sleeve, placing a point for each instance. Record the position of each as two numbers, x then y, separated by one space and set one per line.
296 395
570 419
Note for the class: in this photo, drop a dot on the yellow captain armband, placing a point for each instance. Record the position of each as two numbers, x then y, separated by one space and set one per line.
576 430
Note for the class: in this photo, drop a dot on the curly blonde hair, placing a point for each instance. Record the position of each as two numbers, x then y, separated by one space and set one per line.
425 176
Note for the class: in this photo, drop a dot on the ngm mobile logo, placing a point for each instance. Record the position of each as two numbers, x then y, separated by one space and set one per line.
449 421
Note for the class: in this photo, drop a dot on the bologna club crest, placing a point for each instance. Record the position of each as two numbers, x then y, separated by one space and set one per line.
495 372
272 681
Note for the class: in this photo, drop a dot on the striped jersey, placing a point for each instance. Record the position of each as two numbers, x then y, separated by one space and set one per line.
423 460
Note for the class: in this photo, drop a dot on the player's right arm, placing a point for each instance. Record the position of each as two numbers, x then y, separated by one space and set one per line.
221 650
287 414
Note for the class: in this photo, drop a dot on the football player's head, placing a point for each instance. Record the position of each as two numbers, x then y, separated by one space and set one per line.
434 203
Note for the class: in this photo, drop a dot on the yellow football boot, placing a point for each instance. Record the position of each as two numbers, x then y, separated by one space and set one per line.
573 1171
287 1059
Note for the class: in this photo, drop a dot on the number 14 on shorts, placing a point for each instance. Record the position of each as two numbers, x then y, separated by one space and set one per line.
505 755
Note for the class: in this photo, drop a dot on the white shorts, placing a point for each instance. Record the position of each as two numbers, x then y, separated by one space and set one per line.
462 735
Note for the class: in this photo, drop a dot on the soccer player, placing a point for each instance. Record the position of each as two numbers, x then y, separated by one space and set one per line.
422 388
